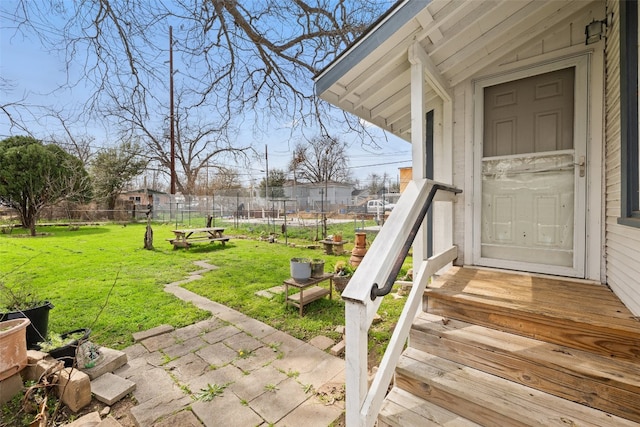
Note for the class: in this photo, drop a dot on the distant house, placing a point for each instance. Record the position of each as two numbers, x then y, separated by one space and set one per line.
314 196
141 198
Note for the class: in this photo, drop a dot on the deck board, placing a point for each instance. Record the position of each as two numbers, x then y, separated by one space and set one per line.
554 296
577 314
609 384
490 400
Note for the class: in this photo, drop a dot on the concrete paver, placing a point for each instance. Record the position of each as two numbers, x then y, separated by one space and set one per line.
184 418
255 328
159 341
271 382
220 334
252 386
217 354
188 366
158 330
243 342
110 388
226 410
277 403
257 359
185 347
110 361
159 407
283 342
321 342
152 382
222 377
312 413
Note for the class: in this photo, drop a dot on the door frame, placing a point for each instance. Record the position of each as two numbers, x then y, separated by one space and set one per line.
582 88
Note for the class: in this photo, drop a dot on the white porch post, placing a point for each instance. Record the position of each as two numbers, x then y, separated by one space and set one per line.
424 71
418 139
355 360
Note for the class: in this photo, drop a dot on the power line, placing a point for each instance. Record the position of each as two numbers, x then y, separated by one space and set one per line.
381 164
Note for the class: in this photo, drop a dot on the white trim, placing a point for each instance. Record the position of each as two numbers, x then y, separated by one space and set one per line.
581 133
595 268
469 175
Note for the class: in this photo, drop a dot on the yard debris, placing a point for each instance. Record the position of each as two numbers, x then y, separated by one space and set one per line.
330 393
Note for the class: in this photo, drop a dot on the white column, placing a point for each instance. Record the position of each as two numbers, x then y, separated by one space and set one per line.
418 141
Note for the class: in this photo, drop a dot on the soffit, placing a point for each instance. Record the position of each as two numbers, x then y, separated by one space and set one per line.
461 37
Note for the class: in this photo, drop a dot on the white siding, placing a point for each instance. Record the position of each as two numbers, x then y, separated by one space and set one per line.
622 243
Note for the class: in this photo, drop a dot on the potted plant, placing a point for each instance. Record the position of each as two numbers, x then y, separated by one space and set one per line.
342 272
13 346
19 302
317 267
300 269
337 236
63 346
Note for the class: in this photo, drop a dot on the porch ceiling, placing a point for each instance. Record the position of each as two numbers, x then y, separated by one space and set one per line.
461 38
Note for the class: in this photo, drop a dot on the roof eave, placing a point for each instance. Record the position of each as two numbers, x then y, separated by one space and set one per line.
394 19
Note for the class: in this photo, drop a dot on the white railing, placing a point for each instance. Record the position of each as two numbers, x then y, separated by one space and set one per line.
362 404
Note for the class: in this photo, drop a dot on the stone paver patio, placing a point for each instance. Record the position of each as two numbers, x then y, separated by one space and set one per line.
265 376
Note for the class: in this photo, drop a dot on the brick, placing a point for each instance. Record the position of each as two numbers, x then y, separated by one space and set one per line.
92 419
9 387
48 366
33 358
74 388
338 349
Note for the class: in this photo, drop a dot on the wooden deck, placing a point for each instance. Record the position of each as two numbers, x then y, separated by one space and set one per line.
499 348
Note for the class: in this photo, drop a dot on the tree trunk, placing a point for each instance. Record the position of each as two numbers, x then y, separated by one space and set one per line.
32 224
148 238
28 218
148 234
111 207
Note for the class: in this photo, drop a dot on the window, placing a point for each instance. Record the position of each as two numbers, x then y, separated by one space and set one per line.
630 185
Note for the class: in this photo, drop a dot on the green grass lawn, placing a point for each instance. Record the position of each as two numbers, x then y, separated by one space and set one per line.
99 276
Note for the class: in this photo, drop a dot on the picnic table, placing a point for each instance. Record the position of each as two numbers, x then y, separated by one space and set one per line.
184 238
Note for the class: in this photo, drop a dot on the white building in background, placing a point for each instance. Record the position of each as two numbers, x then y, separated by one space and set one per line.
313 196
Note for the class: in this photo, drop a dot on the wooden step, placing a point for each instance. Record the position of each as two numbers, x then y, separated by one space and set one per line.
566 312
489 400
611 385
402 409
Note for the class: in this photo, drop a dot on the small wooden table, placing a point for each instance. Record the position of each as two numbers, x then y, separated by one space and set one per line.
185 237
308 291
331 247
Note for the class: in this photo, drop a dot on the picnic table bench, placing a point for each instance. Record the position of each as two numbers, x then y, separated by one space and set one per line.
185 237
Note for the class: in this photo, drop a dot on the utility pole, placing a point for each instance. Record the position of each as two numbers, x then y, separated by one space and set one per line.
171 116
266 182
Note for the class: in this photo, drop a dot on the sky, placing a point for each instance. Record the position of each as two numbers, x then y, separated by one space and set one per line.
33 73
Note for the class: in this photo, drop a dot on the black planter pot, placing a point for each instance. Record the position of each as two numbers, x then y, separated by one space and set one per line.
67 352
39 327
